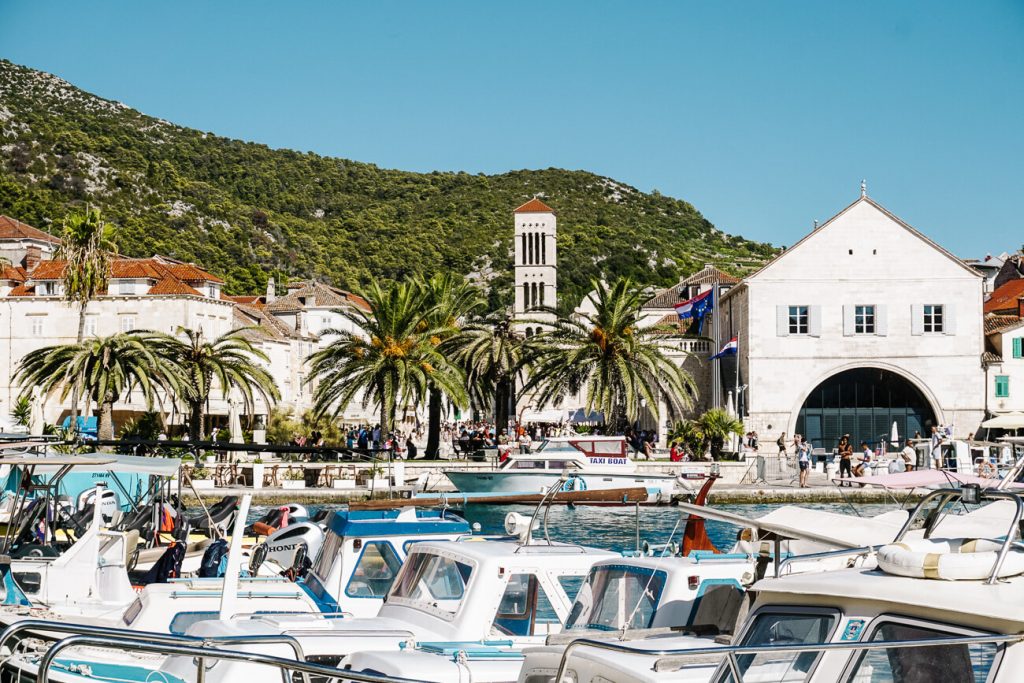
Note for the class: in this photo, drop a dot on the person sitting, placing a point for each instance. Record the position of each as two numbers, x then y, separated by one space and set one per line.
675 453
863 467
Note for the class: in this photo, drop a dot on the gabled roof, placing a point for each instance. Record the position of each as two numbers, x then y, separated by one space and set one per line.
22 290
866 200
268 326
171 285
708 275
323 296
534 206
11 229
997 324
1005 297
16 273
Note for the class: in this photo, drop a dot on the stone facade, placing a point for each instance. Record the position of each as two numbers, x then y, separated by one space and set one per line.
862 257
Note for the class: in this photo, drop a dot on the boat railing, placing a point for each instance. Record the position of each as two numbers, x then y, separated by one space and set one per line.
310 615
968 494
864 550
674 658
204 657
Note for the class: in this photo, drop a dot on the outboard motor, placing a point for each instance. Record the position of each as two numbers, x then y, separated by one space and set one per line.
110 503
282 544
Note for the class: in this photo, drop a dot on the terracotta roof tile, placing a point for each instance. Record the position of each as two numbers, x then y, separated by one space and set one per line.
1005 297
134 268
190 273
995 324
49 270
534 206
14 229
990 357
709 275
322 296
173 286
23 290
13 273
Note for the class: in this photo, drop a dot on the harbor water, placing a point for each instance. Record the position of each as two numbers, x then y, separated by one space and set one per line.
614 528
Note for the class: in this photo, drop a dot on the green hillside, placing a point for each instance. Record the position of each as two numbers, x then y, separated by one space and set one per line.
246 211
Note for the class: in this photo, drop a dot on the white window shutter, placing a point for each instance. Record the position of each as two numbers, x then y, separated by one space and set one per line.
916 319
782 320
881 320
949 319
848 320
814 322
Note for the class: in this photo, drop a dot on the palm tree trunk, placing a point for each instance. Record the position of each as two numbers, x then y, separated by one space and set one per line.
501 399
75 395
434 424
105 429
195 421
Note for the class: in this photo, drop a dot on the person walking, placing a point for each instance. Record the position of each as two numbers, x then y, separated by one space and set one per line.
781 443
936 448
845 459
803 450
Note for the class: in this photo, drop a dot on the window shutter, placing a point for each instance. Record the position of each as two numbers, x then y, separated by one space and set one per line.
881 320
848 326
814 322
916 319
782 320
949 319
1018 347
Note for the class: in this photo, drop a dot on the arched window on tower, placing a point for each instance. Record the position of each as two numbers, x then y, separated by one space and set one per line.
542 294
529 242
526 295
533 289
529 331
543 249
522 256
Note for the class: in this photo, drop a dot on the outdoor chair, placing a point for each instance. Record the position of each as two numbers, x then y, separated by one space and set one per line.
270 477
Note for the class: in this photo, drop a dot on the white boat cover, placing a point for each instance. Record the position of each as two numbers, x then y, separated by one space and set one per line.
1014 420
922 479
97 462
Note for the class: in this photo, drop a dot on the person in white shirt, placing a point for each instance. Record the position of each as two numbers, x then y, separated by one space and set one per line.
909 456
936 448
803 450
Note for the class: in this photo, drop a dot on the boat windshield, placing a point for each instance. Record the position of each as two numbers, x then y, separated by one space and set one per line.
783 628
328 551
617 596
433 582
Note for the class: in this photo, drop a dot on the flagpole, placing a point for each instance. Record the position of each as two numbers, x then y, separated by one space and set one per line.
716 371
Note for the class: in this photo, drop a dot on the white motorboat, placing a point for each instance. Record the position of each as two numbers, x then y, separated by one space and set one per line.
591 463
940 603
445 592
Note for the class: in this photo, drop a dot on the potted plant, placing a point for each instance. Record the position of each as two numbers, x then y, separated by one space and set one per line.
258 470
201 478
344 483
377 478
294 478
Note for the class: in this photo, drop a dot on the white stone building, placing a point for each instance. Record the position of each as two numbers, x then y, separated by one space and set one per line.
161 294
863 322
1004 364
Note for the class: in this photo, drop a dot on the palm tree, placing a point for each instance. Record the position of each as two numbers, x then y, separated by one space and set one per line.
230 361
449 301
715 426
619 364
85 247
104 369
492 354
393 358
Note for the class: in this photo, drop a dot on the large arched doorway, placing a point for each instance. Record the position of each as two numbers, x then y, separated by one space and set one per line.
863 402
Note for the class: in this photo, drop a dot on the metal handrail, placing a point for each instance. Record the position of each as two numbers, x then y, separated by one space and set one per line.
200 655
669 656
864 550
165 638
952 495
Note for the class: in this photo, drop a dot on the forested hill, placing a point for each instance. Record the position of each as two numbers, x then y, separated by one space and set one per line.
246 211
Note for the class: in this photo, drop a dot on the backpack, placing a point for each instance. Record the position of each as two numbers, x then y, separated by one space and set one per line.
213 559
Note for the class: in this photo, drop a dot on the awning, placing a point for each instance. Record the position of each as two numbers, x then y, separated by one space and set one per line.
1013 420
922 479
556 415
581 416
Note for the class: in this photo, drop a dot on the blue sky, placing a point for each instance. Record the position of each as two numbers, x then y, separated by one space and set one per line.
764 115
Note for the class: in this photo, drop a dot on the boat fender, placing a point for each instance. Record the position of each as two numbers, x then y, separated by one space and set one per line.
955 559
262 529
987 470
574 483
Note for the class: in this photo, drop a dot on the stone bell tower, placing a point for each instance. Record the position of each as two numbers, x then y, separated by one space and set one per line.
536 264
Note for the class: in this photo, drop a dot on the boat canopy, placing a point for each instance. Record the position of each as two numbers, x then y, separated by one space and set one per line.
1013 420
817 526
133 464
922 479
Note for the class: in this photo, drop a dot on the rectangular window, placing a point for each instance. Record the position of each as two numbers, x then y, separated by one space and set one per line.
37 326
770 628
127 323
940 662
1002 386
933 318
799 320
127 288
1018 347
90 326
864 320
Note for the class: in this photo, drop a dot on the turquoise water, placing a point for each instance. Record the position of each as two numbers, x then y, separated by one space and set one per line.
614 528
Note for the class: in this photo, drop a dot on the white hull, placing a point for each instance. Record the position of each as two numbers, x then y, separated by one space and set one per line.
537 482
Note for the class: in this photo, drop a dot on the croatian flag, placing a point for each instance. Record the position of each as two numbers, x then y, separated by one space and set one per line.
695 307
730 349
